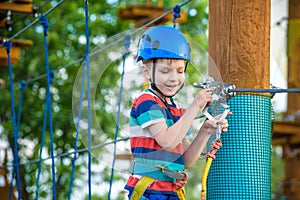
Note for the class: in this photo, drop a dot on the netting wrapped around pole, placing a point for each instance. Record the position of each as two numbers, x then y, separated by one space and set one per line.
242 168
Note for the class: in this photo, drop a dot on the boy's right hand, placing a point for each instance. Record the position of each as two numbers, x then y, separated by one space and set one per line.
203 99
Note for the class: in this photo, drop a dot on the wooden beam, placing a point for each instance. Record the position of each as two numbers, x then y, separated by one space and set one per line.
16 7
22 1
287 128
15 51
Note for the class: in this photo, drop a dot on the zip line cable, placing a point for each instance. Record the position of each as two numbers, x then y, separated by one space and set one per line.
262 90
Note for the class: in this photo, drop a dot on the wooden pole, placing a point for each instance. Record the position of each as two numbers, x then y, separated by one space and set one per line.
239 53
239 42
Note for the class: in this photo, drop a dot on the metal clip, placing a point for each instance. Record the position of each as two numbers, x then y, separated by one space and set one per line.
220 94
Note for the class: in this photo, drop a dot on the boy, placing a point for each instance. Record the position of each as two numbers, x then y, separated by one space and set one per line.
158 125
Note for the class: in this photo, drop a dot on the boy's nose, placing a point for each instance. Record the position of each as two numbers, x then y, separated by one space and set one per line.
172 75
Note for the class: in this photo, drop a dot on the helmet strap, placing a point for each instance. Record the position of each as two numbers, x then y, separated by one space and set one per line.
153 85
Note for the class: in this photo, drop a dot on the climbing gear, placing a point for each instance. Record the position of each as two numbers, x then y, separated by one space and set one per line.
180 183
220 94
156 171
217 143
178 175
163 42
145 182
181 193
141 187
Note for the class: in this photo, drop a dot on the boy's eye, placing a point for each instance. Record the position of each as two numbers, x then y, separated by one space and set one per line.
164 71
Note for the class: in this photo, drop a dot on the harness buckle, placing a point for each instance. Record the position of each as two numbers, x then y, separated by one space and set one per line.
178 175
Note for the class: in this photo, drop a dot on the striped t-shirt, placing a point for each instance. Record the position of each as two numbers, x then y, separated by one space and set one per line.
146 110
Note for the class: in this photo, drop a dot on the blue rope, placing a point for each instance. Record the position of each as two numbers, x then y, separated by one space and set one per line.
87 65
176 14
41 150
77 133
22 88
42 144
44 22
126 44
8 46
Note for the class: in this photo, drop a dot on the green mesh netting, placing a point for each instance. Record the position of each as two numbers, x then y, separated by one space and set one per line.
242 168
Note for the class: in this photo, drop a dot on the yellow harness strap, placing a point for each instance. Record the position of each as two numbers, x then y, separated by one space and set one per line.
181 193
140 187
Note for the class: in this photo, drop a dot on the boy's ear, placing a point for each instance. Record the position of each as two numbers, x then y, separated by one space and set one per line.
146 72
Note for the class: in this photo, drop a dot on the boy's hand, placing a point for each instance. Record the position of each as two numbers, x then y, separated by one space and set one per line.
203 99
211 126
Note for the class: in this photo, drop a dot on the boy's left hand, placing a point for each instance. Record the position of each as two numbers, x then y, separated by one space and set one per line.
212 125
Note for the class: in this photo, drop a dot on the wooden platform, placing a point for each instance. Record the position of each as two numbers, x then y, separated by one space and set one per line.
286 133
142 14
15 51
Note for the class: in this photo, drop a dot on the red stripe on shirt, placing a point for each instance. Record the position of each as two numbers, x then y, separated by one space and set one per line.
146 142
147 97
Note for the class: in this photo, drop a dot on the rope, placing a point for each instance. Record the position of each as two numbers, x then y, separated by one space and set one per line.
44 22
22 88
46 110
41 149
126 45
216 144
77 133
176 14
8 46
87 66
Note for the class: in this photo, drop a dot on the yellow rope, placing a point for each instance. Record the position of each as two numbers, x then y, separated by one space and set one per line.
204 177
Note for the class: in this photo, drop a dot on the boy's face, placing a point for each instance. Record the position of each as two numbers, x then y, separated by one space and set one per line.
169 75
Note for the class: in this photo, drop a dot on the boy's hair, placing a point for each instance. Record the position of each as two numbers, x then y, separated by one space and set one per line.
163 42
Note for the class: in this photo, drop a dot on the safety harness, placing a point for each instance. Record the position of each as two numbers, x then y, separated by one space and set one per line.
179 179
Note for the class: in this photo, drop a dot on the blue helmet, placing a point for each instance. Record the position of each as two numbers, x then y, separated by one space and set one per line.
163 42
